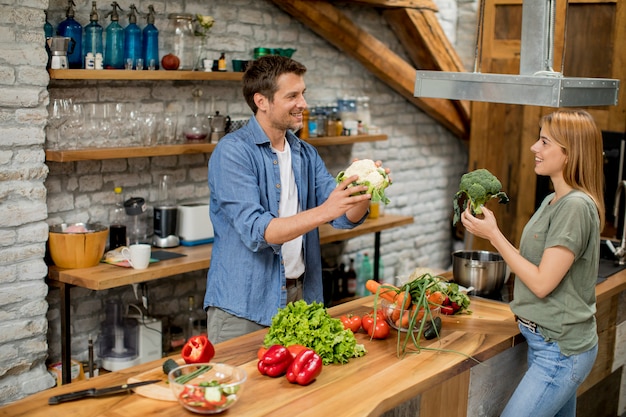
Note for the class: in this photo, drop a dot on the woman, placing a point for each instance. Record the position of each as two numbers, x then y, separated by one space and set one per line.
556 266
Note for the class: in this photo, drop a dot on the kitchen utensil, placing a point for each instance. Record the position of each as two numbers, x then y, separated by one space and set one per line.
218 124
97 392
483 270
166 214
77 245
118 341
60 47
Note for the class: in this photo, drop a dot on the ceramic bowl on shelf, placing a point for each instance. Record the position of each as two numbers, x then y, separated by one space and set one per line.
210 388
393 313
77 245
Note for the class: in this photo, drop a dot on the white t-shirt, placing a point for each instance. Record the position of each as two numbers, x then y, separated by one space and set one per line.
293 255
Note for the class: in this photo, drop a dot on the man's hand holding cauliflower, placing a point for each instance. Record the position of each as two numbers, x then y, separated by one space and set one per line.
371 175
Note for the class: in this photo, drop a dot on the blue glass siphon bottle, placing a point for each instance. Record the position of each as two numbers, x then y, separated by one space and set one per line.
114 44
92 41
150 42
48 30
132 38
72 29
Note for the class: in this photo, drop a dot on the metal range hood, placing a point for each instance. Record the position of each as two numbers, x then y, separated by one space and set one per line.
537 84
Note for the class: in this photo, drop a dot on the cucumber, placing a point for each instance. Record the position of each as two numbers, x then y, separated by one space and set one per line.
430 331
213 394
169 365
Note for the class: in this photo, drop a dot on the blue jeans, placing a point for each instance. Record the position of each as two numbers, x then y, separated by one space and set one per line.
549 386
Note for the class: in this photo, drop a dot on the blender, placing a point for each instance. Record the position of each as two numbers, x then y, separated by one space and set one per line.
118 341
166 214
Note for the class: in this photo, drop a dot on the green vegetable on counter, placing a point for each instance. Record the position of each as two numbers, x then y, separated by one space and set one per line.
310 325
477 187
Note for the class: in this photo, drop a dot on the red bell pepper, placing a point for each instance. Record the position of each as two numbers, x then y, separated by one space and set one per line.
275 361
198 349
305 368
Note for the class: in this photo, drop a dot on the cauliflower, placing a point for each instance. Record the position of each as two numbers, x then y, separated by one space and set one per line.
477 187
369 174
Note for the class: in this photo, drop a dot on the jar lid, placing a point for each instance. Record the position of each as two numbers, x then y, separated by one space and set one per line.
135 206
187 16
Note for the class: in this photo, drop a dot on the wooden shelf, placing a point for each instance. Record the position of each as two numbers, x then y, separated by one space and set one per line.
127 75
106 276
89 154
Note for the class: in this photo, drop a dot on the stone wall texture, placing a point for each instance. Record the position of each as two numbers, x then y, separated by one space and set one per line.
426 161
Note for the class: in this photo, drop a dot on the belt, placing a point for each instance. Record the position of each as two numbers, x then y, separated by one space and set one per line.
293 282
530 325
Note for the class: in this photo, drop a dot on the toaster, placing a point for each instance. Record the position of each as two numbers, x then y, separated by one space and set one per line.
194 224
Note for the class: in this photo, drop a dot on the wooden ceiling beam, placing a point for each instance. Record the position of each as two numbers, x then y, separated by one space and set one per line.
332 25
411 4
426 44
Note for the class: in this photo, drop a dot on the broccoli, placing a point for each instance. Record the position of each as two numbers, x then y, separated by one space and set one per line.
478 187
369 174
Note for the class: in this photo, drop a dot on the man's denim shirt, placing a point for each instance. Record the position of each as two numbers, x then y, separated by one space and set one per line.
246 277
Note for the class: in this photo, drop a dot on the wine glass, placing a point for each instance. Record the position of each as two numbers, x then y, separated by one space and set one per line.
58 111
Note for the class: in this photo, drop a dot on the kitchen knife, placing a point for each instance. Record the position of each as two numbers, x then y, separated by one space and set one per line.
97 392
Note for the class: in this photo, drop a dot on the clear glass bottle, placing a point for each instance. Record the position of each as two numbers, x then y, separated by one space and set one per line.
117 223
351 280
192 319
150 42
366 272
92 43
182 40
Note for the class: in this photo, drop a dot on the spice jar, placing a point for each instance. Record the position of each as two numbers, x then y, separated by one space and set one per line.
182 39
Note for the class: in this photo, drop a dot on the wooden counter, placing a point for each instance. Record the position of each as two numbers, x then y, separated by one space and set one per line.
365 386
106 276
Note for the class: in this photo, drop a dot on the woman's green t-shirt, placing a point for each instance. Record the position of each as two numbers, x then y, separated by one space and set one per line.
567 314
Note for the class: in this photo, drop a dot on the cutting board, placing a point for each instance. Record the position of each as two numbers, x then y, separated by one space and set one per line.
157 391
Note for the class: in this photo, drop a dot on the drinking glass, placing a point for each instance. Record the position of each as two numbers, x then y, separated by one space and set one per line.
170 123
73 130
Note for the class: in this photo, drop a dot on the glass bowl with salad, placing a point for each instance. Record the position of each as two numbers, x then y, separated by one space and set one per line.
207 388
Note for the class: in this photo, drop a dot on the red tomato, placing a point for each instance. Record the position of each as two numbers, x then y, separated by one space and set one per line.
380 330
295 349
261 352
368 320
352 322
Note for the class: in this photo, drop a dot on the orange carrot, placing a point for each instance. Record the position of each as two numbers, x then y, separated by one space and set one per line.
436 298
389 292
404 320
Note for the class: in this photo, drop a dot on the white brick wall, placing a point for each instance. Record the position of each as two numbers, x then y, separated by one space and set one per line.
426 163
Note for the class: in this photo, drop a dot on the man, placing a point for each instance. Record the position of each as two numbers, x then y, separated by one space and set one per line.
269 193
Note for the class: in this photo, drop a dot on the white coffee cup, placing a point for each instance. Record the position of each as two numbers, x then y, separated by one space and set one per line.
138 255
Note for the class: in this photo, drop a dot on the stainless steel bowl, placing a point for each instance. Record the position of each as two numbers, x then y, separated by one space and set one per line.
485 271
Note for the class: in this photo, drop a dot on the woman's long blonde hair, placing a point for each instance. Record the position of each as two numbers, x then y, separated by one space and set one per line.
577 133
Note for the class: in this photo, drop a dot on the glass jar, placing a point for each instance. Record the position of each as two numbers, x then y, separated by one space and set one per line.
182 40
